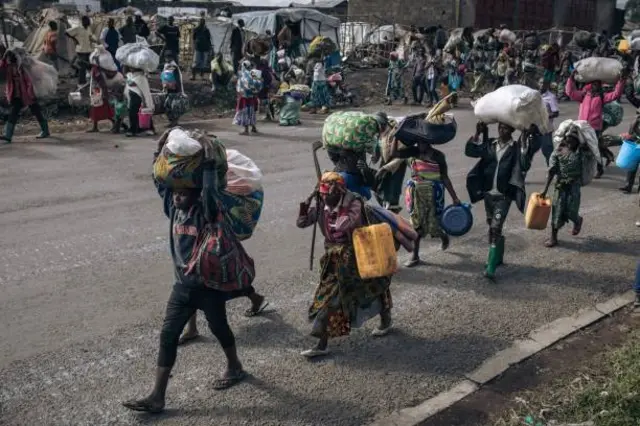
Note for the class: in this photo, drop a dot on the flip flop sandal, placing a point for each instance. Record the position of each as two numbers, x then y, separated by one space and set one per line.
252 313
227 382
142 406
412 263
314 353
550 243
381 332
183 340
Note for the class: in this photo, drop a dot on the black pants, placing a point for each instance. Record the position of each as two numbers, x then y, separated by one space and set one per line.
135 103
83 66
236 57
183 303
631 178
17 105
496 207
419 88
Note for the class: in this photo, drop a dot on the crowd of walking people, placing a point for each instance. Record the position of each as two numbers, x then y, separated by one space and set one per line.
211 210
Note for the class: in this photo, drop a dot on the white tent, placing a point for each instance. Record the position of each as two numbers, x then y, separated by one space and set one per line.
312 22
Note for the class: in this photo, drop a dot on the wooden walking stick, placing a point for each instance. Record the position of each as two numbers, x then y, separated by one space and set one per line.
315 147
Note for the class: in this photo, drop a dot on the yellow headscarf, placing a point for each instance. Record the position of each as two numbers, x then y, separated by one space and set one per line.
330 181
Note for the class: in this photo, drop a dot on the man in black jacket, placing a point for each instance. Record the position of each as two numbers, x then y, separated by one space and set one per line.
498 179
202 49
142 29
237 44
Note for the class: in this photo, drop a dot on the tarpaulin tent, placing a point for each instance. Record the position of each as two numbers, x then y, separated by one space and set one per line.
312 23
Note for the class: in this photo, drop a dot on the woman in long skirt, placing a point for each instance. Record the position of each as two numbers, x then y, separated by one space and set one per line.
342 300
175 103
247 104
320 95
101 108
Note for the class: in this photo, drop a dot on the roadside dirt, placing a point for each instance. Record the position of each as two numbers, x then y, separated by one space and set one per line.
539 375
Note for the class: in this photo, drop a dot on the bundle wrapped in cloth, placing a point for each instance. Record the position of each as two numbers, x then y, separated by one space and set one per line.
607 70
588 143
44 77
351 130
322 45
138 55
103 59
516 105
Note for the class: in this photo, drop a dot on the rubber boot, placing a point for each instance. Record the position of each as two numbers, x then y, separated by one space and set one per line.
44 127
500 251
492 262
8 132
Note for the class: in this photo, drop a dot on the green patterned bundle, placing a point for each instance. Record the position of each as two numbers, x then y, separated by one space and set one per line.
354 131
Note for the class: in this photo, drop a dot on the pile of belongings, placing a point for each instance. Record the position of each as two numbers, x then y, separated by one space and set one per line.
259 46
298 91
321 45
179 166
507 36
585 40
351 130
44 77
138 55
516 105
588 143
607 70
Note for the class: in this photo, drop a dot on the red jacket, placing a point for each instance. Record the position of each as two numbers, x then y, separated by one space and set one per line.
25 89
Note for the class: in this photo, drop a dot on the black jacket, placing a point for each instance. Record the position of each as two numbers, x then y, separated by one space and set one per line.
512 170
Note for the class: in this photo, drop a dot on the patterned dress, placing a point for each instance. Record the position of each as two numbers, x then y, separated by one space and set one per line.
424 197
566 196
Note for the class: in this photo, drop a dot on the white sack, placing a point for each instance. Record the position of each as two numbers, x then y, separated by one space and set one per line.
103 59
635 44
180 143
138 55
516 105
507 36
590 69
243 175
44 78
634 34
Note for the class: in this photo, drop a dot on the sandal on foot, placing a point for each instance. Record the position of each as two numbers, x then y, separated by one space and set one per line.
314 353
550 243
412 263
577 227
143 406
183 340
381 332
227 382
255 312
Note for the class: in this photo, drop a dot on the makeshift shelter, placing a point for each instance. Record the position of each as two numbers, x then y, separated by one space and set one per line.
312 23
66 48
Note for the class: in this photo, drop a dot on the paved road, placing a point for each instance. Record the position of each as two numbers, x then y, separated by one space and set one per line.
85 274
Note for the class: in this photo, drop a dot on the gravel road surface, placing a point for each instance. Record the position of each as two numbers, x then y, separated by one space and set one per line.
85 274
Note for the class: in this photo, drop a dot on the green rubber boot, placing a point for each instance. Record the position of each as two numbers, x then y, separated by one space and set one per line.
500 251
492 262
8 132
44 133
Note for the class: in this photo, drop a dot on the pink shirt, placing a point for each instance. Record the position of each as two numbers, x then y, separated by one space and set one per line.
590 105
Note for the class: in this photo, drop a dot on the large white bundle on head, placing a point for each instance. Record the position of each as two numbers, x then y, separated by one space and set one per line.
607 70
516 105
103 59
138 55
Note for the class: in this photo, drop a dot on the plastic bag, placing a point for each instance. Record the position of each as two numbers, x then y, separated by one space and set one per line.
612 113
243 175
180 143
44 78
103 59
591 69
138 55
516 105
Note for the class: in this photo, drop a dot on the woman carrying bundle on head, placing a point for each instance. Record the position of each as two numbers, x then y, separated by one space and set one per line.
249 84
175 103
138 95
100 97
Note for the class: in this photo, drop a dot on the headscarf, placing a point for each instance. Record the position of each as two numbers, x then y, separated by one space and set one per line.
330 182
